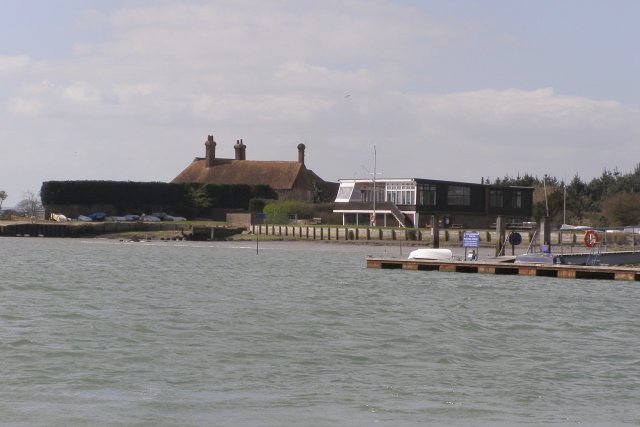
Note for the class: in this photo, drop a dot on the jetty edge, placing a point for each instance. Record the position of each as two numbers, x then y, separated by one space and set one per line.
561 271
196 230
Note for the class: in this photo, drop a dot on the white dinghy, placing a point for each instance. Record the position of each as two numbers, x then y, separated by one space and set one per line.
433 254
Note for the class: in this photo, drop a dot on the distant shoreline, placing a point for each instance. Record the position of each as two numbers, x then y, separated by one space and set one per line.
289 233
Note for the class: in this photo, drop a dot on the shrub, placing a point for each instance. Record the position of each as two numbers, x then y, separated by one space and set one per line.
280 212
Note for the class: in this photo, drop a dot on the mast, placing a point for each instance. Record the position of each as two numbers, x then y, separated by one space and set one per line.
546 235
375 158
544 185
564 203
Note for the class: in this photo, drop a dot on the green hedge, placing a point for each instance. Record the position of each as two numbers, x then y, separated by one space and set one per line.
129 197
281 211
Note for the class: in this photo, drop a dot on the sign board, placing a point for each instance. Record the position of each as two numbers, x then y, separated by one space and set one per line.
470 239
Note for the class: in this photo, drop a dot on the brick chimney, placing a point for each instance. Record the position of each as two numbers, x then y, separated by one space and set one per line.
301 148
210 150
240 150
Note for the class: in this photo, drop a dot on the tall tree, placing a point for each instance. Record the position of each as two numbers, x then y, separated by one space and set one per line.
31 203
3 197
622 209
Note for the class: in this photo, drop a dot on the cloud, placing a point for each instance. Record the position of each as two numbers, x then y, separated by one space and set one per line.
23 107
302 75
536 119
284 109
11 64
130 92
513 107
217 61
331 29
82 93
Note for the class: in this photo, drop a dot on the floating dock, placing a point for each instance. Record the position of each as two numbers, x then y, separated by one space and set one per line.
561 271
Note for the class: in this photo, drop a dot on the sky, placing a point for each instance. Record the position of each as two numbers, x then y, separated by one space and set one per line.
454 90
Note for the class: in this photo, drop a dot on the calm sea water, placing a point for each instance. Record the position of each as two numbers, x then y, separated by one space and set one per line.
96 332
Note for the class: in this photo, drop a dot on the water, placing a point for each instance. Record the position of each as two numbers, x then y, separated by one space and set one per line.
97 332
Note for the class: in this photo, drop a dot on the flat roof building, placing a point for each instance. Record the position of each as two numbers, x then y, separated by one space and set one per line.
411 202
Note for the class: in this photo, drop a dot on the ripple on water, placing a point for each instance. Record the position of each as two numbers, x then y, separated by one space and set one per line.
201 333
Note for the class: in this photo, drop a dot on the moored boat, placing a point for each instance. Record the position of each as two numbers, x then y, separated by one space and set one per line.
432 254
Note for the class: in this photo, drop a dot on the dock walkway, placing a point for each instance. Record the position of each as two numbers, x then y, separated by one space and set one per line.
502 268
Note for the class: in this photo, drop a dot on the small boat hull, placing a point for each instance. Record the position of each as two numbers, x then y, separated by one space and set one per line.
433 254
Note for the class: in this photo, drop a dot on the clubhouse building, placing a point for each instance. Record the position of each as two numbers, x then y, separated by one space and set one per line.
411 202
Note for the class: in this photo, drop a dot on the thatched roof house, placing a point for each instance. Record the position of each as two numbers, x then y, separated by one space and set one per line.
290 179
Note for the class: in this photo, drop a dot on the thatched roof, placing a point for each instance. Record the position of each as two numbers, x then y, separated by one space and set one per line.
279 175
288 178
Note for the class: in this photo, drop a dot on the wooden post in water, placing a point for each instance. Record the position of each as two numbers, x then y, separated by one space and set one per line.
546 233
501 232
435 232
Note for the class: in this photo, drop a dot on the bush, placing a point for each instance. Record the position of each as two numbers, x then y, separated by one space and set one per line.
279 212
324 211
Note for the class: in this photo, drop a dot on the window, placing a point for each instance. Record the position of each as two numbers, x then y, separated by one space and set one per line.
516 200
458 195
426 195
496 199
367 192
401 193
344 192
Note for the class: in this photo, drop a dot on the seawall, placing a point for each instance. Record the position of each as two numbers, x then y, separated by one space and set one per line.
54 229
447 237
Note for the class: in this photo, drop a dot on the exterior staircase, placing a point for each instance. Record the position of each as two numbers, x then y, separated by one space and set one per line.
398 215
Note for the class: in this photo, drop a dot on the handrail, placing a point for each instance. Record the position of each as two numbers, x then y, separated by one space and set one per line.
397 213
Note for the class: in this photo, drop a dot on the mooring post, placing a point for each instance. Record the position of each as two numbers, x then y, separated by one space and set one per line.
501 232
435 232
546 233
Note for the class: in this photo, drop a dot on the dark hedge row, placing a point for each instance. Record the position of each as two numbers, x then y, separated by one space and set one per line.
177 199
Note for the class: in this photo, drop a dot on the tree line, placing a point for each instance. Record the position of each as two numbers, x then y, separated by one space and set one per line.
611 199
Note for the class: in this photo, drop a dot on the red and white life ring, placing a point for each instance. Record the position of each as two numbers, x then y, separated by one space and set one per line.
591 238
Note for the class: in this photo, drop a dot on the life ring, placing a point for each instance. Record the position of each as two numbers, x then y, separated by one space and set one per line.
591 238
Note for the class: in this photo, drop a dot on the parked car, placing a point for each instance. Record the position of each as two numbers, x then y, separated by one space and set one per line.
97 216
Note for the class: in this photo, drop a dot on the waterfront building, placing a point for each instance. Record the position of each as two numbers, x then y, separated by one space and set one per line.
290 179
411 202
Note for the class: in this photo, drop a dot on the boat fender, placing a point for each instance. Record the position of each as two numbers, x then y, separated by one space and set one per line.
591 238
